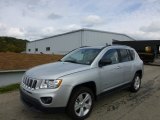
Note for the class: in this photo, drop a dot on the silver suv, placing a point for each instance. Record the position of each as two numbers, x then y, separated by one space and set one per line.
74 82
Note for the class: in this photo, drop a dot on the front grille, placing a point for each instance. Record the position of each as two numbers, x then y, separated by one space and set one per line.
30 82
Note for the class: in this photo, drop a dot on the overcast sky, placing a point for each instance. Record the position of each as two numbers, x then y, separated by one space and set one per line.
35 19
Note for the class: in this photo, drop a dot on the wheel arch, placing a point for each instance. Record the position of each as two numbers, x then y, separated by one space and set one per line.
139 72
91 85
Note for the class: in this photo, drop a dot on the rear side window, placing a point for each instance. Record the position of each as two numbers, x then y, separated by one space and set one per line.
125 55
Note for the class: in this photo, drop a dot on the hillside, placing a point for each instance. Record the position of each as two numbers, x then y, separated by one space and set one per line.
10 44
16 61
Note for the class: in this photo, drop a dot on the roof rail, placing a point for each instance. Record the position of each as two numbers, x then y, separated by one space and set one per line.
84 46
108 44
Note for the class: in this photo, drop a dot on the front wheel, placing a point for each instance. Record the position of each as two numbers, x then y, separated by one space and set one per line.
136 84
81 103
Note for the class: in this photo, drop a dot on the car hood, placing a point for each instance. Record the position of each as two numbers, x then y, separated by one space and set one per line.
55 70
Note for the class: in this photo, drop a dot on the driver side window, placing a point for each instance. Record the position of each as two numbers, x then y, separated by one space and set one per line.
112 55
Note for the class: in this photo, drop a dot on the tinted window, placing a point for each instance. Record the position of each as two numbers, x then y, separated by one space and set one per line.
129 55
125 55
47 48
132 54
111 55
36 49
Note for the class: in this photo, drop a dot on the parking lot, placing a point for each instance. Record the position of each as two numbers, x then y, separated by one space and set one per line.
121 105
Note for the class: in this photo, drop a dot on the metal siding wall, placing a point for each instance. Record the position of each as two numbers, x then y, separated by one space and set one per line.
62 44
42 44
58 45
65 43
31 45
92 38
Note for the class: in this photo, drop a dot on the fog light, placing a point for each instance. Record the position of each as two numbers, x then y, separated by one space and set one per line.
46 100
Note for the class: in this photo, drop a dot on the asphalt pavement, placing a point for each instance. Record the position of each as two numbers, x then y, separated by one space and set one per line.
122 105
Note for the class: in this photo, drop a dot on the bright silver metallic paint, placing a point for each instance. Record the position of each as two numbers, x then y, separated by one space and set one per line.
75 74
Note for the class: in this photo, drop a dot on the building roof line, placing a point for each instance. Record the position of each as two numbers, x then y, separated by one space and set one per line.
107 32
83 29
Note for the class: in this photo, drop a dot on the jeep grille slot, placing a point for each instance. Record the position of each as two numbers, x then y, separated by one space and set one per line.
29 82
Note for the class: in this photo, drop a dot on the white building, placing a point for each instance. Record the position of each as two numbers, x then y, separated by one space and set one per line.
63 43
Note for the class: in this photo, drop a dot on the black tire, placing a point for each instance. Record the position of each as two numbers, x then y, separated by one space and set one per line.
136 83
74 99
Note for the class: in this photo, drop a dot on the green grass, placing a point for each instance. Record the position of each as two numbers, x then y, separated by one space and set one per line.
8 88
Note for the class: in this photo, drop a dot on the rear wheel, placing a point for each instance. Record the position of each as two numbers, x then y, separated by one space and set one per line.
81 103
136 84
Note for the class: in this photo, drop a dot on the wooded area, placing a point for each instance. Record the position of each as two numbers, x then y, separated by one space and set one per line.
10 44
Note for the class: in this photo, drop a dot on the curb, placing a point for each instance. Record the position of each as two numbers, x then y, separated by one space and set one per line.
12 71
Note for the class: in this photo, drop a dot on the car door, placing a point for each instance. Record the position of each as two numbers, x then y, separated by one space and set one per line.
111 75
127 63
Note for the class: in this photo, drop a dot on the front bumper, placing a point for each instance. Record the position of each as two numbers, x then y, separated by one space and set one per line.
34 103
33 98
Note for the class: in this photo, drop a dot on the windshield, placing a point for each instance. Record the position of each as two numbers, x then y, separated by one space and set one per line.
82 56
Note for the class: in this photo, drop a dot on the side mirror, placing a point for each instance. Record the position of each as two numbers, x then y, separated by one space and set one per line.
104 62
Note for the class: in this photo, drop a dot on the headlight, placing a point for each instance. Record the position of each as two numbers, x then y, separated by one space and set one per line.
50 83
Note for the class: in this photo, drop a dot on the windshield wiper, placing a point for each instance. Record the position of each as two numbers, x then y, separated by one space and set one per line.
71 61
